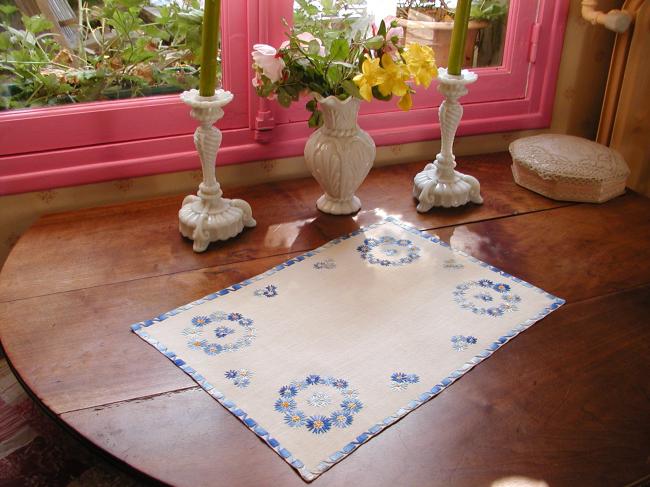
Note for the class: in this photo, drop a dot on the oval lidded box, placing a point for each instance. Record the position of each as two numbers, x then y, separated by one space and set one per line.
568 168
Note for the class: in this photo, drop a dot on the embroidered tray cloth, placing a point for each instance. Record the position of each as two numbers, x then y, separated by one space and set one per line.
321 353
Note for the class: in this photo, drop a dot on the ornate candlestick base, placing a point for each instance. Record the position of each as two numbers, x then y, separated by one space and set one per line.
439 184
208 217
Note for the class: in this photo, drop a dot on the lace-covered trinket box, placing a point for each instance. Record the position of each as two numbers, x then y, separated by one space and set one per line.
568 168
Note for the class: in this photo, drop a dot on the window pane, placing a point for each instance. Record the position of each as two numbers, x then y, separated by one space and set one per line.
55 52
425 22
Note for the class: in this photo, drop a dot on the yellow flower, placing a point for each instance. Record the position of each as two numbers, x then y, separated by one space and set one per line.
372 74
421 63
395 78
406 102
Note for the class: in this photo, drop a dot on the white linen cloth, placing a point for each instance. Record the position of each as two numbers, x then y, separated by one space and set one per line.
321 353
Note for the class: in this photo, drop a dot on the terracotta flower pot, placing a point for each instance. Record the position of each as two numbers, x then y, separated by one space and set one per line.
437 35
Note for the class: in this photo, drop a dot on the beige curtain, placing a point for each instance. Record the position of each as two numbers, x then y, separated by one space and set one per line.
625 122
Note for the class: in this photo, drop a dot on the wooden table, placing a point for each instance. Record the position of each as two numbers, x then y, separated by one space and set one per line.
567 402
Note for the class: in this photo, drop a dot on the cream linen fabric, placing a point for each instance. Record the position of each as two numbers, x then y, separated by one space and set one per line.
321 353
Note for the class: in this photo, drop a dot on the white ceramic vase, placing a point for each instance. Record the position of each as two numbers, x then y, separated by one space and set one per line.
339 155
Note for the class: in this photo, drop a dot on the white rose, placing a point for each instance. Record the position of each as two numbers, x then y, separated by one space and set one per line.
266 58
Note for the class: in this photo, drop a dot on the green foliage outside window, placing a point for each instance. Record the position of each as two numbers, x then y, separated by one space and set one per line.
328 18
125 50
489 10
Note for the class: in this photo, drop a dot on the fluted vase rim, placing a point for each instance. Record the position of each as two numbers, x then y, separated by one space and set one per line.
329 100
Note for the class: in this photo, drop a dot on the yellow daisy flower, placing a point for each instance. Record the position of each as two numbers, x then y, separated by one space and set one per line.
421 63
395 77
406 102
372 74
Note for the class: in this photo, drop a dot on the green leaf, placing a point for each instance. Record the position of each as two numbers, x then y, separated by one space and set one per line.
156 32
328 5
315 87
351 88
266 89
36 24
377 94
5 41
293 91
129 3
50 82
312 105
64 88
284 98
308 7
316 119
313 47
382 29
375 43
193 16
343 64
334 76
8 9
340 49
488 10
330 36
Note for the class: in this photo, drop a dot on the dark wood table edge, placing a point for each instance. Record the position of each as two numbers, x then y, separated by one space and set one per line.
149 479
119 464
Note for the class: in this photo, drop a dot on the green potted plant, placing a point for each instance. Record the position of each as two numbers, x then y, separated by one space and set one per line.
326 18
431 22
124 51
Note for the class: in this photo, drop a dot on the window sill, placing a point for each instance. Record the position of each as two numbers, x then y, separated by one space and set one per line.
52 169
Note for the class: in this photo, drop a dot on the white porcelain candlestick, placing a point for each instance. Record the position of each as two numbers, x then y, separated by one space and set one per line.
439 184
207 217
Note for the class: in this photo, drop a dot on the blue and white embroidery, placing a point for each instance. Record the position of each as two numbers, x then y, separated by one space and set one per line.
319 399
388 251
197 344
288 391
399 381
268 292
241 378
318 424
225 325
452 264
341 419
350 393
295 418
485 297
285 405
461 342
192 332
351 406
308 410
223 331
201 321
325 264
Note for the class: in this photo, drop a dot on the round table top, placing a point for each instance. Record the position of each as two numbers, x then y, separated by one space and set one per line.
565 403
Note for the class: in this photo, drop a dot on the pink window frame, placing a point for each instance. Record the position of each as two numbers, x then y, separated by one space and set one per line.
63 146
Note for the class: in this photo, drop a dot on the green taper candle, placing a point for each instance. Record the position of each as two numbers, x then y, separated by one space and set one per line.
209 47
459 37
